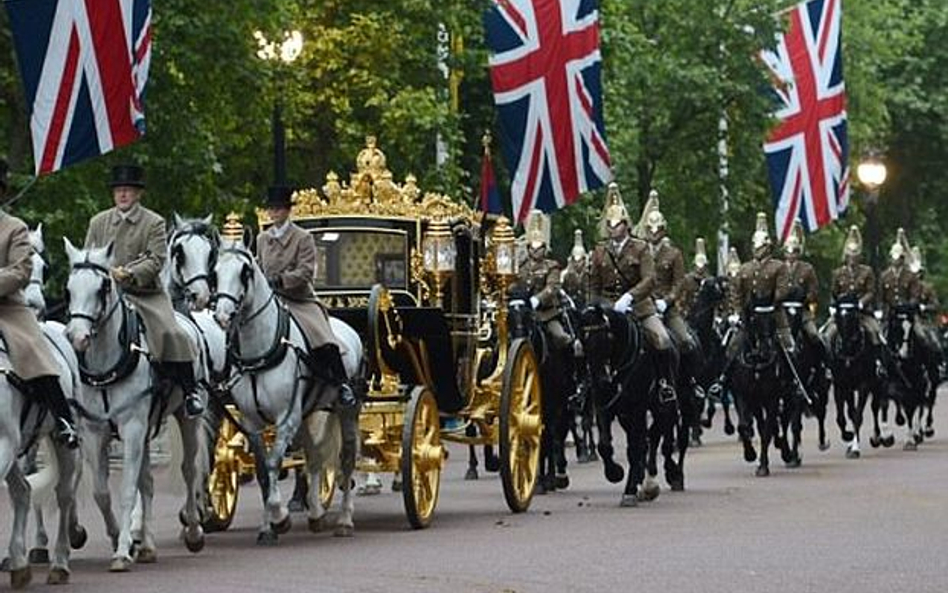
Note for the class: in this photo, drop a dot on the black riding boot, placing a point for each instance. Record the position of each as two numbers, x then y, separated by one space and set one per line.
716 390
50 393
182 374
329 366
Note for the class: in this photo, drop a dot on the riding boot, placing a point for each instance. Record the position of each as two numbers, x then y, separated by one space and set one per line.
328 364
689 362
50 393
881 356
716 389
182 374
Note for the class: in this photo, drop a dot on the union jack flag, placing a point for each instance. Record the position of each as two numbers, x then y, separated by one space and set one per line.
84 65
808 152
545 69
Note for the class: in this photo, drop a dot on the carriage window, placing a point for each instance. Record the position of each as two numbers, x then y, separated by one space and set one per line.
357 259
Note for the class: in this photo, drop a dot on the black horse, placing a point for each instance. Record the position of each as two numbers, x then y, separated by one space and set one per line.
908 385
581 405
624 386
703 319
813 372
757 382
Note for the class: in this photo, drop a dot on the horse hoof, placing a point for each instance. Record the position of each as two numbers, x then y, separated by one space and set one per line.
728 429
851 454
194 544
77 537
21 577
561 481
762 471
396 485
824 446
888 441
910 446
471 474
318 525
918 439
629 500
5 565
283 526
267 538
794 463
38 556
875 442
706 422
120 564
343 531
614 473
750 455
651 491
929 432
57 576
848 435
146 556
786 455
677 485
696 441
492 464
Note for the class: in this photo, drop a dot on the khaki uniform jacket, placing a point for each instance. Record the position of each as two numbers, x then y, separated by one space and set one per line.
801 278
576 280
27 348
630 269
899 286
292 258
857 281
688 291
541 279
138 240
928 297
669 272
760 282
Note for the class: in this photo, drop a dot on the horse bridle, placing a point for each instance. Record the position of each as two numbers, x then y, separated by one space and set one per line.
196 231
238 301
105 314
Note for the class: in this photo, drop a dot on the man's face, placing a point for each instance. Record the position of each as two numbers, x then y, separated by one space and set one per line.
762 252
126 196
618 232
792 255
536 251
656 234
278 214
852 259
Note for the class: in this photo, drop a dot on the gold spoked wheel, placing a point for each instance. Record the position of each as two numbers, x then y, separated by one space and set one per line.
520 426
422 458
327 485
223 482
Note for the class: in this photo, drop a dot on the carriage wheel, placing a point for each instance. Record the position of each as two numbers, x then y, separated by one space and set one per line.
520 426
223 483
327 485
422 458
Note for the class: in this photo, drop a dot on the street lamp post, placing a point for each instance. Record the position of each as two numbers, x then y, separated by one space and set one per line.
872 173
279 52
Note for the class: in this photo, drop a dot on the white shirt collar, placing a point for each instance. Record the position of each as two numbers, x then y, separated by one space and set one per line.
617 247
277 232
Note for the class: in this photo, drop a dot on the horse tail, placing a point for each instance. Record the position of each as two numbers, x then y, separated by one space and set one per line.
43 483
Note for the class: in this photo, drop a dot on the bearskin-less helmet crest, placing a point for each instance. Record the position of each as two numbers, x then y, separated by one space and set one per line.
733 262
796 240
538 229
761 236
917 260
853 245
900 248
701 254
578 251
652 219
614 212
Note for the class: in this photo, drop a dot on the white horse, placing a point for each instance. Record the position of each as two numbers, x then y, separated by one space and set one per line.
34 290
192 251
122 393
17 432
275 387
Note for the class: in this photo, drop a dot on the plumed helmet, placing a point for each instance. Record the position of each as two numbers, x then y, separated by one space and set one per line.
579 249
900 248
917 260
796 240
538 229
853 245
761 236
701 255
652 218
614 211
733 262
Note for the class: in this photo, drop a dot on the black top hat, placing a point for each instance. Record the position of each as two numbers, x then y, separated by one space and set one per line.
127 176
279 196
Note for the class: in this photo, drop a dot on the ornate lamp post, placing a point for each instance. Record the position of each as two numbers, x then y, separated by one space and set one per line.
872 173
279 52
440 254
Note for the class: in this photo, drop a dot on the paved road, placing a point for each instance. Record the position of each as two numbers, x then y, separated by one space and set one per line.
879 523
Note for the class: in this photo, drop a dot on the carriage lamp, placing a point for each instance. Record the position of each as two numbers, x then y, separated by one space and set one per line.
505 249
440 254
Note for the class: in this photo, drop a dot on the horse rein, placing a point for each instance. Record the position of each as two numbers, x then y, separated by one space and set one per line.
201 231
97 320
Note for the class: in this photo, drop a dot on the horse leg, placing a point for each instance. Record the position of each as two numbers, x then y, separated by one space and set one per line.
840 398
767 424
676 436
653 433
321 440
266 536
471 473
19 489
194 466
726 409
133 435
68 462
143 537
745 429
97 443
349 428
613 471
491 460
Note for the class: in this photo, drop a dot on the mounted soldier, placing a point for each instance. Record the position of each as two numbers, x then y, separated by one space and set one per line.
539 279
760 282
927 302
623 272
803 286
902 287
575 277
669 274
693 279
287 256
34 371
137 236
856 281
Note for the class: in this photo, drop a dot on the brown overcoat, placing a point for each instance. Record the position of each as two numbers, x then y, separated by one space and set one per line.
138 242
28 351
291 257
630 268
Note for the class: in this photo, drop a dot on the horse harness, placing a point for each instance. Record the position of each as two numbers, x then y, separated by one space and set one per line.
196 230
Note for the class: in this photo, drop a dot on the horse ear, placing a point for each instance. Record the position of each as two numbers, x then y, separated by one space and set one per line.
39 231
177 221
71 252
208 220
109 250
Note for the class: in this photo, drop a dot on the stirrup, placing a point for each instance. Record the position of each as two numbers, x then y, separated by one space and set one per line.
66 434
666 393
716 390
193 406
